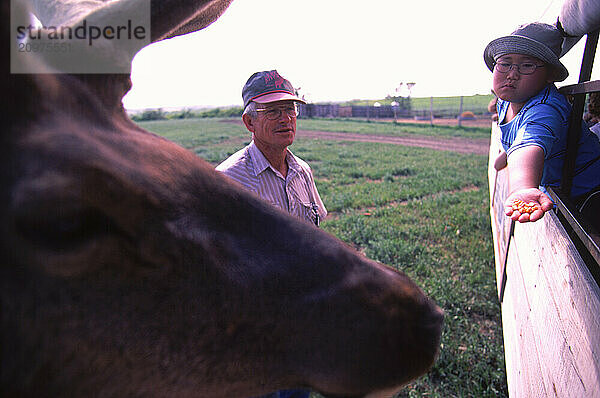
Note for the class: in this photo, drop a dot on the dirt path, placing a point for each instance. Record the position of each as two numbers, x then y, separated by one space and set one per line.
478 146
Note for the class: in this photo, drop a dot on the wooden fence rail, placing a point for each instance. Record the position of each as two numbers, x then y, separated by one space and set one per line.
385 111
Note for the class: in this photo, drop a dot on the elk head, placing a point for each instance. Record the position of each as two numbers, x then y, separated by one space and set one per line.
129 267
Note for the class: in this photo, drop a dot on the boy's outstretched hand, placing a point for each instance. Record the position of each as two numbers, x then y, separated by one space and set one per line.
526 205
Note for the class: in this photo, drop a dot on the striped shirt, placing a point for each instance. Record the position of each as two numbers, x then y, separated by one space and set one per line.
296 193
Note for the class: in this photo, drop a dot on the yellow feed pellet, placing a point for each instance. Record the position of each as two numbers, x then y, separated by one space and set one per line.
522 207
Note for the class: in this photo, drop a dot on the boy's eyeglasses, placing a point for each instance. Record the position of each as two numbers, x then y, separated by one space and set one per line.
526 68
275 113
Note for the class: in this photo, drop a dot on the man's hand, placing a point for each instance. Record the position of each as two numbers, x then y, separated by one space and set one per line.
534 204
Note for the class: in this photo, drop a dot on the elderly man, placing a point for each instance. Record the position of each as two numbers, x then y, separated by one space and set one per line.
266 166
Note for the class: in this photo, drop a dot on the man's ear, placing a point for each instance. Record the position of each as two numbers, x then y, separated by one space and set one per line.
248 121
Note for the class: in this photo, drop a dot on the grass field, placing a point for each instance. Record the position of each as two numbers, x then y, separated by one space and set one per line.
421 211
470 103
392 129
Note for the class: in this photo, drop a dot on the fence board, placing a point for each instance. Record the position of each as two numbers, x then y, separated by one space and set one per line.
565 306
551 305
442 109
523 368
500 223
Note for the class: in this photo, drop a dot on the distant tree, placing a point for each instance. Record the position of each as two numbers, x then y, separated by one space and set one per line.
184 114
150 114
235 111
404 103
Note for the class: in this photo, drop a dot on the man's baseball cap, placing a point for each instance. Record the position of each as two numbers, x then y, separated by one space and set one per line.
268 86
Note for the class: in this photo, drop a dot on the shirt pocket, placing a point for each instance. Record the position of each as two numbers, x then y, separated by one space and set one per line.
274 196
300 194
309 212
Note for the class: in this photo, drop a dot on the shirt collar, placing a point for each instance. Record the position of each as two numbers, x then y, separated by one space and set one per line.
293 162
260 162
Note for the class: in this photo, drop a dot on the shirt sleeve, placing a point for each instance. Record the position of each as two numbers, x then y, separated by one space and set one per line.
541 126
320 206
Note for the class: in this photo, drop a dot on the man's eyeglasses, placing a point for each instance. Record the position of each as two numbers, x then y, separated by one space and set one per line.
275 113
526 68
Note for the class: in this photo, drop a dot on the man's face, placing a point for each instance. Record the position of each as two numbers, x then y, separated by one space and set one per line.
275 124
514 85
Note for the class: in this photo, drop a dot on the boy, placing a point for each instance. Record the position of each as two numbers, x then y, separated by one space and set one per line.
533 118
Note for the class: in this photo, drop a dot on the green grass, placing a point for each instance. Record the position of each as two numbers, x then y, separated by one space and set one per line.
421 211
192 133
442 242
392 129
353 175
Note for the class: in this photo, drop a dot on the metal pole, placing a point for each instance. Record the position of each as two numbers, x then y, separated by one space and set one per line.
575 121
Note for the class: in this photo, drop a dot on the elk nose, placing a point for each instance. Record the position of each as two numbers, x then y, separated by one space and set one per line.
433 319
427 332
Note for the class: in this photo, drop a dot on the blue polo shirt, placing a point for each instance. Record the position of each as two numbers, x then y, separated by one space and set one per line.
544 121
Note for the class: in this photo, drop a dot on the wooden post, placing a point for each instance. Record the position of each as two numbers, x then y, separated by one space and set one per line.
431 110
460 111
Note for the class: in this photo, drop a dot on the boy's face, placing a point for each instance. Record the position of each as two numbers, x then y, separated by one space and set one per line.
516 87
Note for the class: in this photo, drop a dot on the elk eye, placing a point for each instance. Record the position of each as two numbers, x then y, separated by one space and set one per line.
62 226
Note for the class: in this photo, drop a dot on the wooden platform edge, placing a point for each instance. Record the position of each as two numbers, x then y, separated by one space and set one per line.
551 305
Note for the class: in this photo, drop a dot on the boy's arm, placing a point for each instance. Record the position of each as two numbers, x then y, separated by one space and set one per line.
525 167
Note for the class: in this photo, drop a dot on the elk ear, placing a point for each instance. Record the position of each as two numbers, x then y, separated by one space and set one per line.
113 48
88 36
169 18
172 18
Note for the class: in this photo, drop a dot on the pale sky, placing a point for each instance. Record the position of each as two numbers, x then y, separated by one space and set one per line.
337 50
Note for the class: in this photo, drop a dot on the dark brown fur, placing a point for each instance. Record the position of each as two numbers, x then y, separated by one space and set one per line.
129 267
